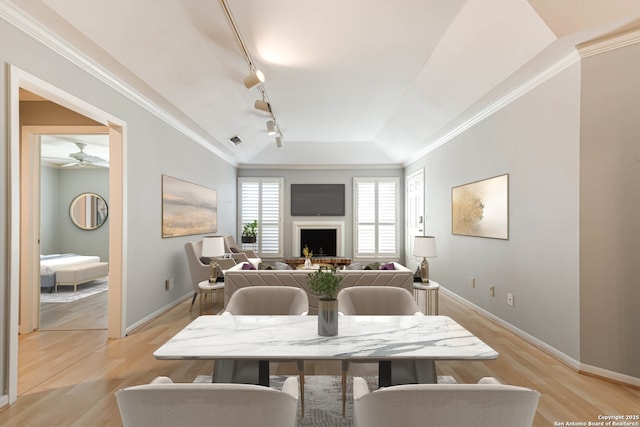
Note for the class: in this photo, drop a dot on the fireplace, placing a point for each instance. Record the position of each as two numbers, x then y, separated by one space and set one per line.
320 241
327 235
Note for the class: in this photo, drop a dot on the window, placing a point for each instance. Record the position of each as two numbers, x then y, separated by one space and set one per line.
376 217
261 199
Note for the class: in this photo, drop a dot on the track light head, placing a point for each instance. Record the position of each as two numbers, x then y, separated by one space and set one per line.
278 142
254 79
271 127
262 106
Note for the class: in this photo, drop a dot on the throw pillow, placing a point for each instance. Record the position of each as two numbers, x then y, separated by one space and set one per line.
372 266
248 266
355 266
282 266
205 260
263 266
388 266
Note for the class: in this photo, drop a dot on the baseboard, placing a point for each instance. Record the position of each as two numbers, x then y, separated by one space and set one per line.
567 360
157 313
594 371
552 351
4 400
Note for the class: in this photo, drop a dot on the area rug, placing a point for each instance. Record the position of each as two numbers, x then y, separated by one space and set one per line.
323 400
66 293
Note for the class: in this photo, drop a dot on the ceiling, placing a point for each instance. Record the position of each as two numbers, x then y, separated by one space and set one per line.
355 82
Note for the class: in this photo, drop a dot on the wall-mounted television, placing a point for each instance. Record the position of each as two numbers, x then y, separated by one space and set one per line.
317 199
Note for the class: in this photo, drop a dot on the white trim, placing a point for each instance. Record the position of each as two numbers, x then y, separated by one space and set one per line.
519 332
607 44
4 400
158 312
319 167
20 78
28 25
611 375
297 226
502 102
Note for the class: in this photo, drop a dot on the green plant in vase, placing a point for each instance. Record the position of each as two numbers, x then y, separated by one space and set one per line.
250 232
325 283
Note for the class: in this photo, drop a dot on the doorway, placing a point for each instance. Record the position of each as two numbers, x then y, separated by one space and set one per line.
74 178
415 217
24 209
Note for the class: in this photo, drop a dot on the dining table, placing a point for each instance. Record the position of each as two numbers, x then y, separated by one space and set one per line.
379 339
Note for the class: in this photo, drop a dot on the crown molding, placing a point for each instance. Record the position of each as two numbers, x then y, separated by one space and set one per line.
25 23
319 167
609 43
500 103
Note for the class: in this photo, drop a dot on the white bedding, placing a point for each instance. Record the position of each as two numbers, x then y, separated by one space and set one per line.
51 263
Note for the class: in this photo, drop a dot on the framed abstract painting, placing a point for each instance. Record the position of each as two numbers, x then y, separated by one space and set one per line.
481 208
187 208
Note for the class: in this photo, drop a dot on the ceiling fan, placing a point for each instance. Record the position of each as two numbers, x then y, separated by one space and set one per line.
83 159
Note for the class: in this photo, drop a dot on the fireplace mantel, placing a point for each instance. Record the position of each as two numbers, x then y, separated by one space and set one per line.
326 225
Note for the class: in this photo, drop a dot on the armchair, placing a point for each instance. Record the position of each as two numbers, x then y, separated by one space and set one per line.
198 270
486 404
378 301
163 403
261 300
232 247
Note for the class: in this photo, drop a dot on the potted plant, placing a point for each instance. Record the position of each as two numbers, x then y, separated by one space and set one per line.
325 283
250 232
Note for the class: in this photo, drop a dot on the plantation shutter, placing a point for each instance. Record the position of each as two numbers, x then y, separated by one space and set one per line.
376 217
261 200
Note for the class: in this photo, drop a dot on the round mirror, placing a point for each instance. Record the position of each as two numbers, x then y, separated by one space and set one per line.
88 211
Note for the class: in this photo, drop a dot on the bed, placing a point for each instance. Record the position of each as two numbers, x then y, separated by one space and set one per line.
50 264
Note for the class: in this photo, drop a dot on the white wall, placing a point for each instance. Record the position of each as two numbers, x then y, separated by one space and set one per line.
535 139
152 148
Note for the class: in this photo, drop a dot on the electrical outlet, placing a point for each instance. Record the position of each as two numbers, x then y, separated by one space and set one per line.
473 282
492 291
510 299
168 284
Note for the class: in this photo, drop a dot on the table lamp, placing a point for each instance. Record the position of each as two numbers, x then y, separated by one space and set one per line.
425 247
213 247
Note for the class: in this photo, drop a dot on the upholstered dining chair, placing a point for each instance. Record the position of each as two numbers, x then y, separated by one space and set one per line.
378 301
486 404
163 403
200 270
261 300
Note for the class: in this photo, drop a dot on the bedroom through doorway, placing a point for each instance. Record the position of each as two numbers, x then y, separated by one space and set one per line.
74 231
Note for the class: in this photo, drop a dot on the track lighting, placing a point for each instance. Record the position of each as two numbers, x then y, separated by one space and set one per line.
271 127
255 78
278 142
262 106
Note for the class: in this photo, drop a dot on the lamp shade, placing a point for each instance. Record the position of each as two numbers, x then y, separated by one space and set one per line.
212 246
424 246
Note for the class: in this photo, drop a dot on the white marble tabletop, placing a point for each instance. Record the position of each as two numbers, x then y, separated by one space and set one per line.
295 337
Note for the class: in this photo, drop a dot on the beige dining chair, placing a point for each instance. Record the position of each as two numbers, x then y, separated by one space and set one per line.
163 403
261 300
377 301
486 404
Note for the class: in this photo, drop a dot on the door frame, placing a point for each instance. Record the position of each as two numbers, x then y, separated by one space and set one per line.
412 230
116 128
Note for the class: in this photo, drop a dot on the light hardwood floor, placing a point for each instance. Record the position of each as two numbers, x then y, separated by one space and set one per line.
68 378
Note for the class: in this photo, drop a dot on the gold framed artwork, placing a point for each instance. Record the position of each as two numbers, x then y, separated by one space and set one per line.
187 208
481 208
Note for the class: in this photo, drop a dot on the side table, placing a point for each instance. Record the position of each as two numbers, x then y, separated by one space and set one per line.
430 290
207 288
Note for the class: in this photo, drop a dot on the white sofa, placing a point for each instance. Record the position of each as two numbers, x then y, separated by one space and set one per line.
236 278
